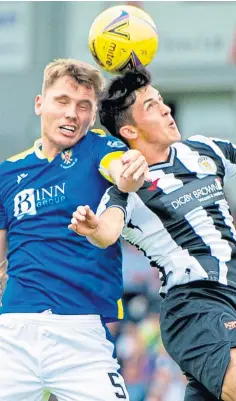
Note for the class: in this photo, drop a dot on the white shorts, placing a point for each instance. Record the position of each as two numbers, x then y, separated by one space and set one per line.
70 356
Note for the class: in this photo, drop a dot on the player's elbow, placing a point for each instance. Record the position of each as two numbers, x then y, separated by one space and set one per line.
109 242
109 228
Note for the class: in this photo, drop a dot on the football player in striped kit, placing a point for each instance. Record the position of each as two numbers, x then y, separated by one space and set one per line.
182 223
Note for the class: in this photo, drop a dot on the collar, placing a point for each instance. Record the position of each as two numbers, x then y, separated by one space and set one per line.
38 150
168 163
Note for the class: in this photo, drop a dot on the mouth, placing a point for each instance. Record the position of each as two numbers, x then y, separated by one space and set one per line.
68 130
172 124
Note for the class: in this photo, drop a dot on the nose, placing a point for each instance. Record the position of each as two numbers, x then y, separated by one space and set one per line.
71 112
165 109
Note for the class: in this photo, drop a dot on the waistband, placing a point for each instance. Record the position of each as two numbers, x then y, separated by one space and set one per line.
47 317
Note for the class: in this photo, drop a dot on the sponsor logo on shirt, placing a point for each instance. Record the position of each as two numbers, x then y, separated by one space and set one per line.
230 325
201 194
115 144
29 200
20 177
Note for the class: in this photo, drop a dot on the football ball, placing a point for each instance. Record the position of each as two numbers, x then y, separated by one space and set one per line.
123 38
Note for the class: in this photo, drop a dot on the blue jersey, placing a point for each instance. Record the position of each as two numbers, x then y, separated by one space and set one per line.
49 266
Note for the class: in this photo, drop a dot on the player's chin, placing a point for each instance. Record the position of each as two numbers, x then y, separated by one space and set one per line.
178 135
67 141
174 135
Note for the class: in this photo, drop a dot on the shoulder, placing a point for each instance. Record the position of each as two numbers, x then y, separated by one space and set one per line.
15 162
99 133
201 143
21 156
197 143
197 140
101 138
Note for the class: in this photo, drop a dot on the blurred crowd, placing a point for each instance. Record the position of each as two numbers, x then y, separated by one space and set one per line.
149 373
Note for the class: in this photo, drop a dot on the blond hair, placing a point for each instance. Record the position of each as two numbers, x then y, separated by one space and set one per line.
82 73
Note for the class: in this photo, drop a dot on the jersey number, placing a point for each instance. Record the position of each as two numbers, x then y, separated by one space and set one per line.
121 392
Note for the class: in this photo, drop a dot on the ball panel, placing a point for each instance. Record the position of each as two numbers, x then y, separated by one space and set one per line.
146 50
112 53
92 47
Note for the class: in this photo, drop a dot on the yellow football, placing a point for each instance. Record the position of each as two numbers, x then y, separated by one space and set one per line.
123 37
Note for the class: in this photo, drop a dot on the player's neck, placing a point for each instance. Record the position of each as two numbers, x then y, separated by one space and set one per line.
49 149
154 154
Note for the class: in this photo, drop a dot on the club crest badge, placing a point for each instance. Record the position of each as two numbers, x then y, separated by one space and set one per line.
67 157
207 164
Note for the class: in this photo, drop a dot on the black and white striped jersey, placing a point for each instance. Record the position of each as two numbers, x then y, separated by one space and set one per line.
181 221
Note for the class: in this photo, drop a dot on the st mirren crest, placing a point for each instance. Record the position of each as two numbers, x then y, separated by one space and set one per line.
207 164
67 158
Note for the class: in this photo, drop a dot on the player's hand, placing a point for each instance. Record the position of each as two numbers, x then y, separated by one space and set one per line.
135 165
135 171
84 221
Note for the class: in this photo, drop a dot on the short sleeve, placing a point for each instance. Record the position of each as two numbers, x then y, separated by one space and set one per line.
115 198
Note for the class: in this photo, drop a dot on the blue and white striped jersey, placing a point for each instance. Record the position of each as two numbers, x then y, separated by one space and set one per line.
181 221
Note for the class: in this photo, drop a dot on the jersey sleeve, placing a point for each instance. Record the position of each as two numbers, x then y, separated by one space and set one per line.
115 198
109 149
223 149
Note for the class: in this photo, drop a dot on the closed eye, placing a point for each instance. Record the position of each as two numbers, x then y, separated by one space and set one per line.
85 105
152 104
62 99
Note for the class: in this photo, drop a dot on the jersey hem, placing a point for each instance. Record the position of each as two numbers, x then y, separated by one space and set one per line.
109 317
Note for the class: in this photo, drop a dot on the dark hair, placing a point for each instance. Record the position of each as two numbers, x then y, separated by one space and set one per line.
118 97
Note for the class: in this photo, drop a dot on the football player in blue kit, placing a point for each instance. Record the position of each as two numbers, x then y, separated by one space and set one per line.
61 290
182 223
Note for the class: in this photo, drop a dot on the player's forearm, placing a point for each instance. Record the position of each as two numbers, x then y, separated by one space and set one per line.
128 185
100 238
108 230
115 170
3 277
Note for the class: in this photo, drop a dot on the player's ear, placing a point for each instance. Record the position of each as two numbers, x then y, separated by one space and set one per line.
38 105
128 132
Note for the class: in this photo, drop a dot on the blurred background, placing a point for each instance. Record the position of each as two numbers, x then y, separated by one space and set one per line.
195 71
